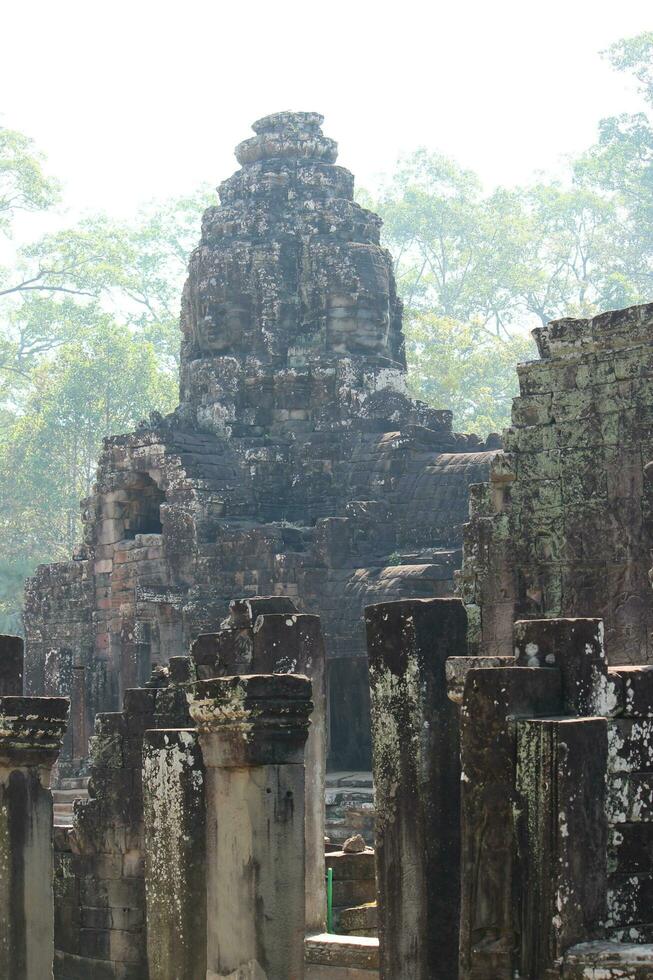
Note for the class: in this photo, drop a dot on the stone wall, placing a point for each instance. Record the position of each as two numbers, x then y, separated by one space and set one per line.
295 465
563 527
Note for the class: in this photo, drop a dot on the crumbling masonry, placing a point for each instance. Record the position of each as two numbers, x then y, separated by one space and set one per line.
295 464
563 527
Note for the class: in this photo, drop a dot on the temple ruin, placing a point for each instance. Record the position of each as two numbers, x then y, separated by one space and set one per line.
267 580
295 464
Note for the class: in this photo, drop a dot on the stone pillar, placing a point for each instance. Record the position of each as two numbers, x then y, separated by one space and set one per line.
31 734
107 937
253 731
490 919
267 635
577 648
175 854
561 779
417 781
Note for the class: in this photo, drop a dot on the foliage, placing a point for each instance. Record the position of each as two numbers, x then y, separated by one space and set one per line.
619 167
23 185
476 269
465 368
88 346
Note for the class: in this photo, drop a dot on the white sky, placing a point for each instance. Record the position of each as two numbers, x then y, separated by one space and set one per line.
133 100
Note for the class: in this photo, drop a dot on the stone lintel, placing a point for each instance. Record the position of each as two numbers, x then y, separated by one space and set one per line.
261 719
31 730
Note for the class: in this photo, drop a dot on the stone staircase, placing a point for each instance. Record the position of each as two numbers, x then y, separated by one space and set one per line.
64 796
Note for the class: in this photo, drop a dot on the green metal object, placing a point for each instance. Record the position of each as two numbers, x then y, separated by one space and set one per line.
329 899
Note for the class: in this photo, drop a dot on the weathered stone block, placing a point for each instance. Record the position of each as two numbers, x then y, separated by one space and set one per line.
576 647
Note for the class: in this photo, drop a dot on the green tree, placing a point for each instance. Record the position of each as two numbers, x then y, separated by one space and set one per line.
23 184
89 344
465 368
453 247
619 167
103 381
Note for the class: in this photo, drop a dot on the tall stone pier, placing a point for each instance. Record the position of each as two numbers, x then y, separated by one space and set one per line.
252 731
175 854
31 734
417 777
295 465
267 635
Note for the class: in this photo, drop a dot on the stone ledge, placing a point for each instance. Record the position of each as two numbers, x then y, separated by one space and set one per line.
316 972
326 949
598 960
68 966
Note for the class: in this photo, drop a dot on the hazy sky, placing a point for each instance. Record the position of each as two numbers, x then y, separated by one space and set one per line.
137 99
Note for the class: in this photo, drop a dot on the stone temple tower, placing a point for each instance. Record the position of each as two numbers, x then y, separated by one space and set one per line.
295 464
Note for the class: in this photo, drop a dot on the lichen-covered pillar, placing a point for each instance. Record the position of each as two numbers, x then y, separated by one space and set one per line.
175 851
417 781
253 732
31 734
268 635
494 699
561 779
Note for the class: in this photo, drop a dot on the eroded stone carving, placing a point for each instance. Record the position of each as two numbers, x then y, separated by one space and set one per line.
295 464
